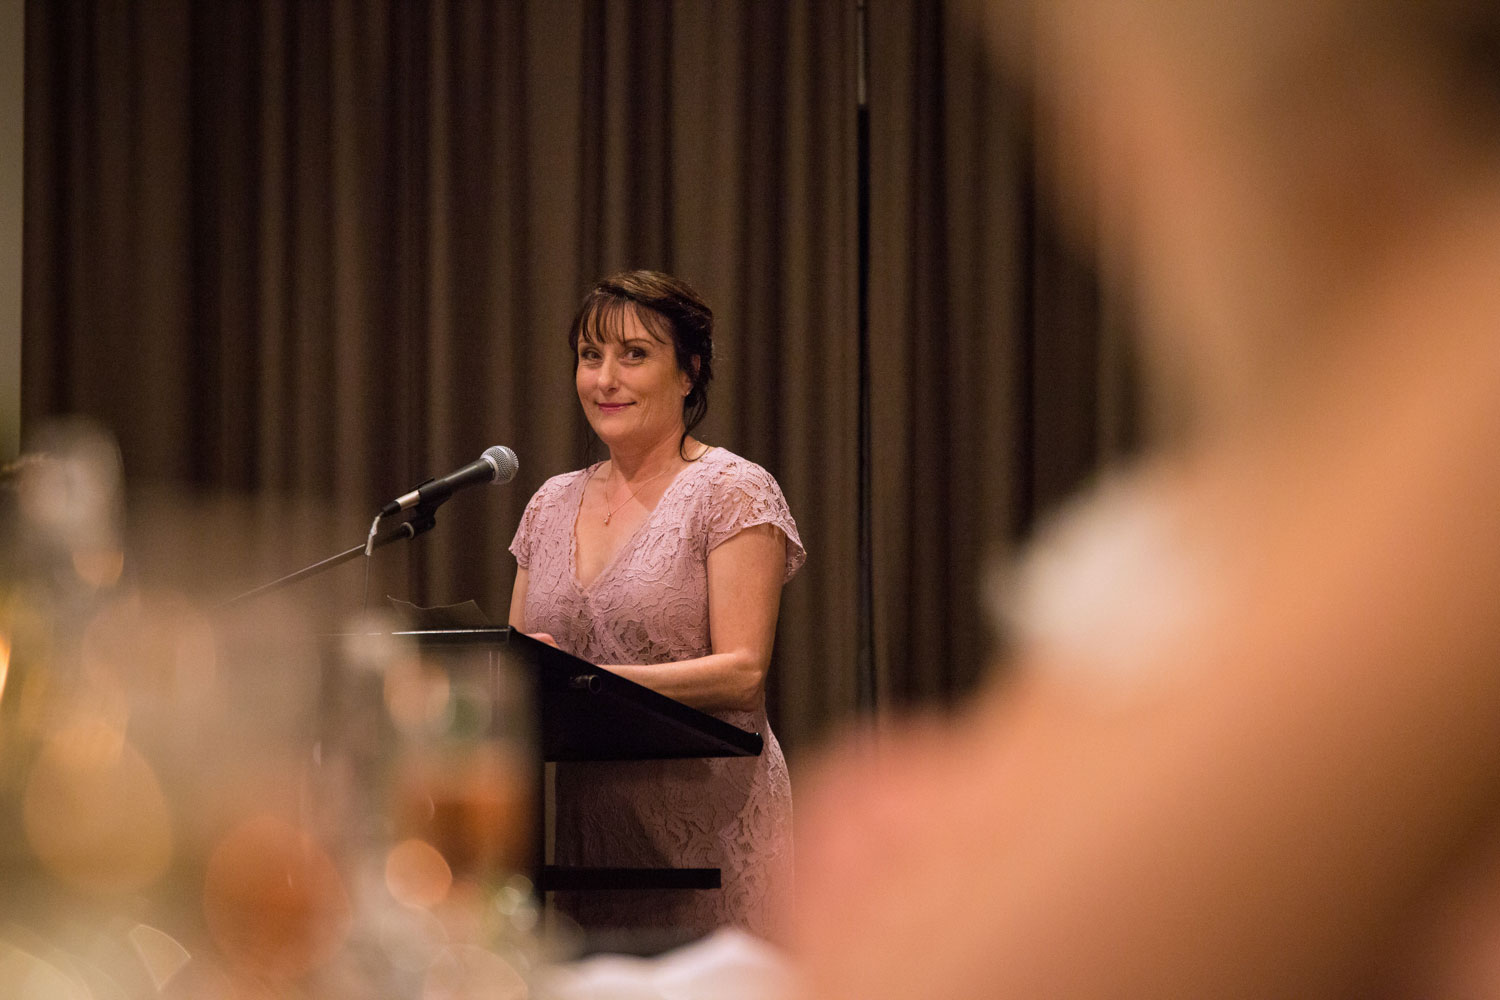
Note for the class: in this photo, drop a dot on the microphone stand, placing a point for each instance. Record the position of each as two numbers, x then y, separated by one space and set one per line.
423 518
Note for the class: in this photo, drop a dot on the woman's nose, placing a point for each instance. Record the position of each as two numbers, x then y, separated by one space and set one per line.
608 371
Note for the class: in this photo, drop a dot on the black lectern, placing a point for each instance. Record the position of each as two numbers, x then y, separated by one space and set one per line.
585 713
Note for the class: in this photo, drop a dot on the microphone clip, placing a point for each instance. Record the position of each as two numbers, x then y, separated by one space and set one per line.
422 518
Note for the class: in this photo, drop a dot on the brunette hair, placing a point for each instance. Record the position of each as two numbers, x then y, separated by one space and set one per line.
671 311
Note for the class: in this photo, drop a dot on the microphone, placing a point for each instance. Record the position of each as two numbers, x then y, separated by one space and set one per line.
497 465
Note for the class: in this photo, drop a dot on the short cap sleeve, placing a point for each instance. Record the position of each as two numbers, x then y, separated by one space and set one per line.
524 543
743 495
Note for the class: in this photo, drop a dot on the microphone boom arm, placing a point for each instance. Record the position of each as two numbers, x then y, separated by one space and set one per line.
498 464
423 518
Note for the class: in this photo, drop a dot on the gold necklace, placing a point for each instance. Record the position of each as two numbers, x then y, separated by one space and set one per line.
612 511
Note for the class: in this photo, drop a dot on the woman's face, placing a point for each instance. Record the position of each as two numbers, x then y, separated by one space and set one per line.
630 386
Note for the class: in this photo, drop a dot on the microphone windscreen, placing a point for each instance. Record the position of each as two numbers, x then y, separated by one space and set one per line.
505 462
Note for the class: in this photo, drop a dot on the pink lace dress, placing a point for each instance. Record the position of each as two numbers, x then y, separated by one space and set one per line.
650 605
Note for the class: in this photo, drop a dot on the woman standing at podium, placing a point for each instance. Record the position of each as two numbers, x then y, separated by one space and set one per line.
665 565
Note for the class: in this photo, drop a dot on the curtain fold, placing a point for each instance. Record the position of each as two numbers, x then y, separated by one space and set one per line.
999 376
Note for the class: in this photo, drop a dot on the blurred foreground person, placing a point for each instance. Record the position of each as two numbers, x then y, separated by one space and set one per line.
1250 745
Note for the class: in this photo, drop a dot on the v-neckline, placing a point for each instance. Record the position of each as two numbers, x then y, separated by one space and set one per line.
629 542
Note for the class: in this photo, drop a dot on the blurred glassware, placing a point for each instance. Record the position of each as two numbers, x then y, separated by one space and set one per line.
199 804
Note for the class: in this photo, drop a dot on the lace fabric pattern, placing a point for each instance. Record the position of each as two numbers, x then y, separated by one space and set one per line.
650 605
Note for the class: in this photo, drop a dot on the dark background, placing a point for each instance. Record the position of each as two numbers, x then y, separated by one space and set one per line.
300 256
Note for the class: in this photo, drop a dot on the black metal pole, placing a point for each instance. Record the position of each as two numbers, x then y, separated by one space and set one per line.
866 688
420 521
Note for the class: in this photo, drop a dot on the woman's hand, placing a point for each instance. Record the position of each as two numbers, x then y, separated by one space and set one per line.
744 597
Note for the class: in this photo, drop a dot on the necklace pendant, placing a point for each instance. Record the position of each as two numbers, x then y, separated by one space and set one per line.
606 519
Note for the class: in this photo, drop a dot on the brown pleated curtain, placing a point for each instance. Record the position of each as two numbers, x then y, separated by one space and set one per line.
1001 377
326 250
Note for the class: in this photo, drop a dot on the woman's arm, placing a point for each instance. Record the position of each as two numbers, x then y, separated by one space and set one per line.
744 598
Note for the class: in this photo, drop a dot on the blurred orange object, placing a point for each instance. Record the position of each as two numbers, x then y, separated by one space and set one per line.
94 811
473 804
274 901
